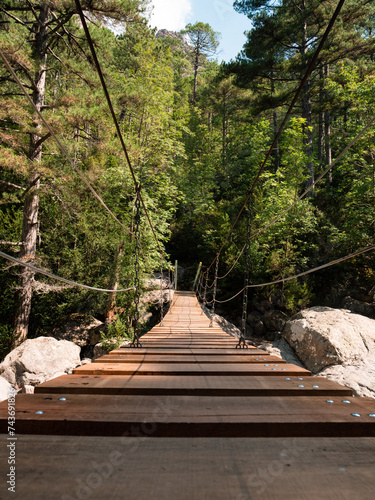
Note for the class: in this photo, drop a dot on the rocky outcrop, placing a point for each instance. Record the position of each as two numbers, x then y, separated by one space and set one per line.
322 336
38 360
337 344
360 307
84 331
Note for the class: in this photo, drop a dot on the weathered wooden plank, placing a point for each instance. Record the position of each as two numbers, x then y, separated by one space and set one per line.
199 369
209 385
187 336
187 351
160 358
70 467
189 340
192 416
184 346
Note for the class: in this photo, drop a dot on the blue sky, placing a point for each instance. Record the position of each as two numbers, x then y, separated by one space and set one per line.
219 14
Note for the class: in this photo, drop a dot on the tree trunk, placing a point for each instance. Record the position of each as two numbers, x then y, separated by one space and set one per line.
31 204
224 132
110 314
196 66
276 151
306 114
327 133
322 95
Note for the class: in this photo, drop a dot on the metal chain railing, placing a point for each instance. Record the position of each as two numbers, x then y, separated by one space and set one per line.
169 290
137 234
215 289
161 297
241 341
205 292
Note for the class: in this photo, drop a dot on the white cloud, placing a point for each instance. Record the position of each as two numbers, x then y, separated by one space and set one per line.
170 14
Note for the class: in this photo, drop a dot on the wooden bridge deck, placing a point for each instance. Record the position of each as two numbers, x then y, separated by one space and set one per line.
187 416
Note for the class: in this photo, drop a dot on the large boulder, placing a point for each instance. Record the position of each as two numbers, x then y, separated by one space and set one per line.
5 388
38 360
85 331
322 336
336 344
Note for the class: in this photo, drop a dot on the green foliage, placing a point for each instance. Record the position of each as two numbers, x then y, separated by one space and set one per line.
6 339
115 335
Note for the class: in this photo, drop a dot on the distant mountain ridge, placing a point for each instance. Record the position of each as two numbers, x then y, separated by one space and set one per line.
176 35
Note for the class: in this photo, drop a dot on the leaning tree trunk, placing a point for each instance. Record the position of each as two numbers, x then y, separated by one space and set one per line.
31 203
276 151
327 133
322 98
307 115
195 85
110 313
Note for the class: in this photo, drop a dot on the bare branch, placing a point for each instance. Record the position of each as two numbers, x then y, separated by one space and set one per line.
32 10
41 140
12 243
12 16
10 184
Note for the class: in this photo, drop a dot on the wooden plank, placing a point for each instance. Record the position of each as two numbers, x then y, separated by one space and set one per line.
199 369
193 386
187 336
187 351
184 346
190 343
191 416
67 467
160 358
190 340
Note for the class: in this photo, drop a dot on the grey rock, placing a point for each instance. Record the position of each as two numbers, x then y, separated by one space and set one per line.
263 306
258 328
38 360
83 331
360 376
253 317
359 307
5 387
86 361
322 336
28 389
281 348
274 321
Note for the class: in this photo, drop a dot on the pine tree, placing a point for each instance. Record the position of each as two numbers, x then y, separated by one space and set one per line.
204 42
48 27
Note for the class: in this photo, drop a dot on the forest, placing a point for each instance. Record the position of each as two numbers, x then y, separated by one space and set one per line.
197 133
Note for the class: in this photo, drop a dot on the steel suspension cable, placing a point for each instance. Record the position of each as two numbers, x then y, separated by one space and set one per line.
54 276
241 341
276 219
137 268
214 293
58 142
288 113
115 121
283 280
